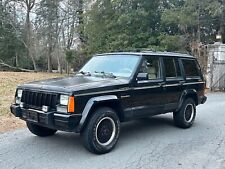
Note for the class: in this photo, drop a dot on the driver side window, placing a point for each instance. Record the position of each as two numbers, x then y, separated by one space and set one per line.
151 66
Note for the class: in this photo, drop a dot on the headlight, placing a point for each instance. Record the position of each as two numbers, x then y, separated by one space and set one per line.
64 100
19 96
19 93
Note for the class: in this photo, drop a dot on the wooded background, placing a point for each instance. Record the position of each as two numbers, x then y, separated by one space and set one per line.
51 35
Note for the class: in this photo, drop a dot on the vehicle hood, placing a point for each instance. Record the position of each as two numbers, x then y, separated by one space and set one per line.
75 84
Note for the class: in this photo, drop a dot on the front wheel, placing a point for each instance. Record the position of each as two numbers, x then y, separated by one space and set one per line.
39 130
102 131
185 117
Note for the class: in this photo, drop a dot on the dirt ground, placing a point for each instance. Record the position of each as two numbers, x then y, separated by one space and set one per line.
10 123
8 83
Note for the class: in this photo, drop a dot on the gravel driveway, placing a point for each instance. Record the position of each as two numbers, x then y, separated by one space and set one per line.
149 143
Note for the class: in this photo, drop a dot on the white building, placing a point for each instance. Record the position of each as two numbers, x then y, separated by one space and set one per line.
216 67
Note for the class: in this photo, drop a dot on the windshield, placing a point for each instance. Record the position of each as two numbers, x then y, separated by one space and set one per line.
117 65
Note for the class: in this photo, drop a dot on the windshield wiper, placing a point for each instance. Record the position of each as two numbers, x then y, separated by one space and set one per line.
105 74
85 73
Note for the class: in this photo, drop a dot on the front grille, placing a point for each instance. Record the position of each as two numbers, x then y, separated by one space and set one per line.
38 99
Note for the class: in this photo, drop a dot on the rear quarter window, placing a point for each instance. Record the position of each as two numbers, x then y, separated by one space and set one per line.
191 67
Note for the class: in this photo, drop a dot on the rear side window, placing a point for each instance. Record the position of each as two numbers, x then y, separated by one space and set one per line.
190 67
172 69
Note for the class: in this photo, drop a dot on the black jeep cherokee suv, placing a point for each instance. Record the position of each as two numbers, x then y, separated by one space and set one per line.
110 89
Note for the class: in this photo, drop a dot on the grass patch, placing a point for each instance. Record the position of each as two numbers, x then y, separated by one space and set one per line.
9 82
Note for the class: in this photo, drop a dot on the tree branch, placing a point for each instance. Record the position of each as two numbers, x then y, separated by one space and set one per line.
15 68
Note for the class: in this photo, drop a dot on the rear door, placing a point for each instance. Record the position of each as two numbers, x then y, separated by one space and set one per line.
174 82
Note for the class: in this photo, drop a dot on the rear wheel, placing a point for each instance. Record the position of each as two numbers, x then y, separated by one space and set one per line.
102 131
40 131
185 117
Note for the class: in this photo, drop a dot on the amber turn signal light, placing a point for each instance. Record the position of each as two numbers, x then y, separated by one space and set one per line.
71 105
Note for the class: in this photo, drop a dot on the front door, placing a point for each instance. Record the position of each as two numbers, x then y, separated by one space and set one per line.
148 94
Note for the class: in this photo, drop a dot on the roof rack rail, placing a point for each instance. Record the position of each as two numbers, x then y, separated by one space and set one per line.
146 51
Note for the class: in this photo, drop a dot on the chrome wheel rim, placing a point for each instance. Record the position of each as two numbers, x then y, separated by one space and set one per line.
189 113
105 131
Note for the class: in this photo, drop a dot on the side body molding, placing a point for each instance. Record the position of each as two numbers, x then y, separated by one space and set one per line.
184 95
90 104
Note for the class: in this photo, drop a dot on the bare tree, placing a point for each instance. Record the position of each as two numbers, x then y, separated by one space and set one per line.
81 21
29 5
69 30
50 21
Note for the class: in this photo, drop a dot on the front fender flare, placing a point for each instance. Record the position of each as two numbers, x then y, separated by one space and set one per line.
90 104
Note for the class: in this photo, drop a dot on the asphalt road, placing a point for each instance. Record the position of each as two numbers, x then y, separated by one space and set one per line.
150 143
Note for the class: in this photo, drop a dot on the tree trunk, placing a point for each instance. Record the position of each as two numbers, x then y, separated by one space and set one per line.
59 65
59 61
29 42
50 59
15 68
199 31
81 22
17 60
33 61
68 68
221 30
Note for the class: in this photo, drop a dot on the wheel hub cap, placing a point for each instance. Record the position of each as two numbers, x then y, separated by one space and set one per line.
189 112
105 131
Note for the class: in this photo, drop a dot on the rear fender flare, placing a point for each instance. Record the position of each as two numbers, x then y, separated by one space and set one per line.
184 95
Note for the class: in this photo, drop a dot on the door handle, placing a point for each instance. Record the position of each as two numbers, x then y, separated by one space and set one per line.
163 84
181 82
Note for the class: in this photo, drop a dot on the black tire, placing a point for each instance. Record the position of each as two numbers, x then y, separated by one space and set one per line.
101 133
184 118
40 131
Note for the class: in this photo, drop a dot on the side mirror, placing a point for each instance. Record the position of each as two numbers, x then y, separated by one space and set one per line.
142 76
